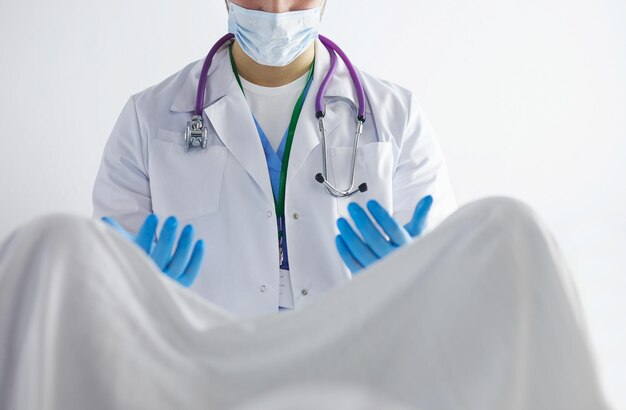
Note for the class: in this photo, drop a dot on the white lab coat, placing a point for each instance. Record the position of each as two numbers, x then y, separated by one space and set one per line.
225 190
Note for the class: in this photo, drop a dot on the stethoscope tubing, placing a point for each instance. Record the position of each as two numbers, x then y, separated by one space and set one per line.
333 50
356 81
205 71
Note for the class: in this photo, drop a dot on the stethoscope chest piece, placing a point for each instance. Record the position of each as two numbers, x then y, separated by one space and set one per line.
196 135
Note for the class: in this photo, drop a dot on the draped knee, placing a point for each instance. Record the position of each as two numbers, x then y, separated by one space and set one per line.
502 213
59 234
509 223
520 231
63 229
48 241
507 237
528 253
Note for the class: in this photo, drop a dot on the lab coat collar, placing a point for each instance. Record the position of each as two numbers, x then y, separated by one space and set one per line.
219 83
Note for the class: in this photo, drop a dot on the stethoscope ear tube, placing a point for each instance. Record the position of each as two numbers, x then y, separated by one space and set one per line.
196 134
334 49
205 71
322 178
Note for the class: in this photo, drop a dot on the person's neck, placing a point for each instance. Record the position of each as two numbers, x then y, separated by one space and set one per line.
268 76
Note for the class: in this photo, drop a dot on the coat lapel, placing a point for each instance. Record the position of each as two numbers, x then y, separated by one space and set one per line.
233 123
227 111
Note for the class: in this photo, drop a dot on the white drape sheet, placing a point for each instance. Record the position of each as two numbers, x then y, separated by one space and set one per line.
478 314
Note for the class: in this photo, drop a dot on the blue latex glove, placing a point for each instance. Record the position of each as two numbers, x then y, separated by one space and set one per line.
359 252
416 225
184 264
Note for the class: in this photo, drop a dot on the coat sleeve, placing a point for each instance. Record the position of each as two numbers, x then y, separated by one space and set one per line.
122 187
421 170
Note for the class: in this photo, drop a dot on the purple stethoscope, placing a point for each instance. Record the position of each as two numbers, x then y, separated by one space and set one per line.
196 134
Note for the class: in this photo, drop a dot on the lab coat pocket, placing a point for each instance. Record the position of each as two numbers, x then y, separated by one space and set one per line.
374 166
185 184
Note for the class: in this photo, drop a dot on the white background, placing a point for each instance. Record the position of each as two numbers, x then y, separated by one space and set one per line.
528 98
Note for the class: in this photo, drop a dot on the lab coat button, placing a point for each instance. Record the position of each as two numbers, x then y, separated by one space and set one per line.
263 288
269 214
296 215
304 292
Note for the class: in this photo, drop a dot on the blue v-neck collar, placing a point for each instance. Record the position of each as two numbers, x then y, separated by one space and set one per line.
273 158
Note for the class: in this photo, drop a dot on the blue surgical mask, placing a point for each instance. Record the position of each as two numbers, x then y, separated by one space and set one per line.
273 39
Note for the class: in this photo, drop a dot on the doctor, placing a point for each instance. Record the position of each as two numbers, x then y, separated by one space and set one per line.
253 193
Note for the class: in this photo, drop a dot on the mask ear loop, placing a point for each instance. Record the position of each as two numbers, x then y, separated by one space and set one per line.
322 8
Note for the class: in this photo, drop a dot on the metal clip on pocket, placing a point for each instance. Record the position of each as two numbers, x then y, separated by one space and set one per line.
196 134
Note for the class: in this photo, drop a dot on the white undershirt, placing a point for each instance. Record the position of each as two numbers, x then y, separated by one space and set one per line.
272 106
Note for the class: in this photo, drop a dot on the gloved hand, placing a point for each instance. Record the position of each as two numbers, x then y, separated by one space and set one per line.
184 264
359 252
